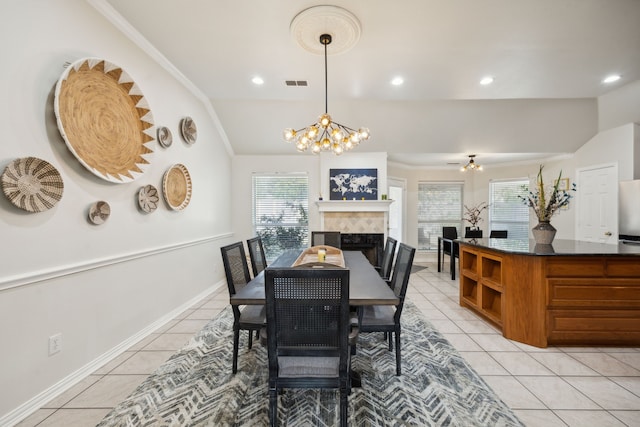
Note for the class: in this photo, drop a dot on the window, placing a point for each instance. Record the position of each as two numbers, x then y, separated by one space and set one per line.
280 212
439 205
506 210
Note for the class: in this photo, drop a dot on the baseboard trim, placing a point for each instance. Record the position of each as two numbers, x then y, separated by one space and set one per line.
32 405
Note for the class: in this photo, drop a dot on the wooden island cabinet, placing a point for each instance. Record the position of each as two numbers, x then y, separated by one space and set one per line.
570 292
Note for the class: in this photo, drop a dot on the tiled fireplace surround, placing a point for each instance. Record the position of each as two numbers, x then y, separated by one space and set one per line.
363 224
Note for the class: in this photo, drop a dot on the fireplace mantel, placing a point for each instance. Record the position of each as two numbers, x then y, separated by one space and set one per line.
353 205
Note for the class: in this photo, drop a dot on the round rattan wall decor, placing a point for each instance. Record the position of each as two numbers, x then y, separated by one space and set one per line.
99 212
148 198
104 119
189 130
32 184
176 187
164 136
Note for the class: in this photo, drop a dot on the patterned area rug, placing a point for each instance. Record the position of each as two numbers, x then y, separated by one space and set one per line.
195 386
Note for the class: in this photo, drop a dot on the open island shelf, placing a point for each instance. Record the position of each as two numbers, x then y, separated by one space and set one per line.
571 293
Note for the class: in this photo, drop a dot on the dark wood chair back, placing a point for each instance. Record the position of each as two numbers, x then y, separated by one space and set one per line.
388 257
236 269
498 234
256 254
328 238
472 234
401 272
452 234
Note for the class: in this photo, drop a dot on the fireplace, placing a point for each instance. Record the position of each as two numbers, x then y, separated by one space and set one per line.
371 245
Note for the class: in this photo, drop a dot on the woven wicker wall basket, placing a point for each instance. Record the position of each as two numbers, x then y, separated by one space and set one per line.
105 120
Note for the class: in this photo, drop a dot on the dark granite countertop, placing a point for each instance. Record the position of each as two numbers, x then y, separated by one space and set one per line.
558 247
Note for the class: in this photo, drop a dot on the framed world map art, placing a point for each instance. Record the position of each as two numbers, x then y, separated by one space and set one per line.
350 184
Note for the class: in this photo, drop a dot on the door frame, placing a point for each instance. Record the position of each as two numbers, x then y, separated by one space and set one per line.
402 183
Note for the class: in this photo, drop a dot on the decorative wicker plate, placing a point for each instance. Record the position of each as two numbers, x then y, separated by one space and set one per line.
99 212
104 119
176 187
189 130
148 198
164 136
32 184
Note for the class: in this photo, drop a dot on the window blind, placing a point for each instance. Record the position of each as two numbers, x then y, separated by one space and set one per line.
280 212
439 205
506 210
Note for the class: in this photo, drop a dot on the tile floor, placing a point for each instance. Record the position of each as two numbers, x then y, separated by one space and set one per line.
557 386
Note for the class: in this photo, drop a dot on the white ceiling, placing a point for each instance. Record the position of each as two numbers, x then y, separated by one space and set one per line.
548 58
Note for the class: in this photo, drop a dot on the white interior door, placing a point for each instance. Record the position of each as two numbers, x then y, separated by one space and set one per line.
396 192
597 204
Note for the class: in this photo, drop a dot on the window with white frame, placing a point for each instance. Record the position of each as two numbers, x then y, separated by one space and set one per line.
439 205
281 211
506 209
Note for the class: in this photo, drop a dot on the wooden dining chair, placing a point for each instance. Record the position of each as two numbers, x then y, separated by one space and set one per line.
308 326
328 238
251 317
256 254
387 258
386 318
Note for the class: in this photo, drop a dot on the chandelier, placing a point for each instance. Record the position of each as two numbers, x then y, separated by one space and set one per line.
472 165
326 134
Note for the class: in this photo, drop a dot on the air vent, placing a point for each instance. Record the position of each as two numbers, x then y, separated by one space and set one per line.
295 82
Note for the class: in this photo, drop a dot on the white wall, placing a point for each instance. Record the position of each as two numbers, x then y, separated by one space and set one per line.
97 285
316 166
243 167
619 107
617 145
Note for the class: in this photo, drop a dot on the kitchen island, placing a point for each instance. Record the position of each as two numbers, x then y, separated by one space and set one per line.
570 292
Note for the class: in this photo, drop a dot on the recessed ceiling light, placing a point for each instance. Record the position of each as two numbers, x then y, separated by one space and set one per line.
612 78
257 80
397 81
486 80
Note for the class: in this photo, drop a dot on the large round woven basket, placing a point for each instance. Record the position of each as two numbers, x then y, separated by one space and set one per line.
104 119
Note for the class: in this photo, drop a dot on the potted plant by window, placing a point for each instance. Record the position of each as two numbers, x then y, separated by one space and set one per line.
472 214
545 202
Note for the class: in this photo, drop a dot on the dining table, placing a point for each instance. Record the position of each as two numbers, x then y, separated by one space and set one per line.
366 287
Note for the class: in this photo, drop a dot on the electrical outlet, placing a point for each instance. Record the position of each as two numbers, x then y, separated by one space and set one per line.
55 344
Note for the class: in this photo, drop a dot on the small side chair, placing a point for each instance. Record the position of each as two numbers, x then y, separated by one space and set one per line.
251 317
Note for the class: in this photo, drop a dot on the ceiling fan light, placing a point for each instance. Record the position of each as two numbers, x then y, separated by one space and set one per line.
471 165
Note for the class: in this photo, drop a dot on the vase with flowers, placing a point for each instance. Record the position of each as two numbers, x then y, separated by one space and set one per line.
545 202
